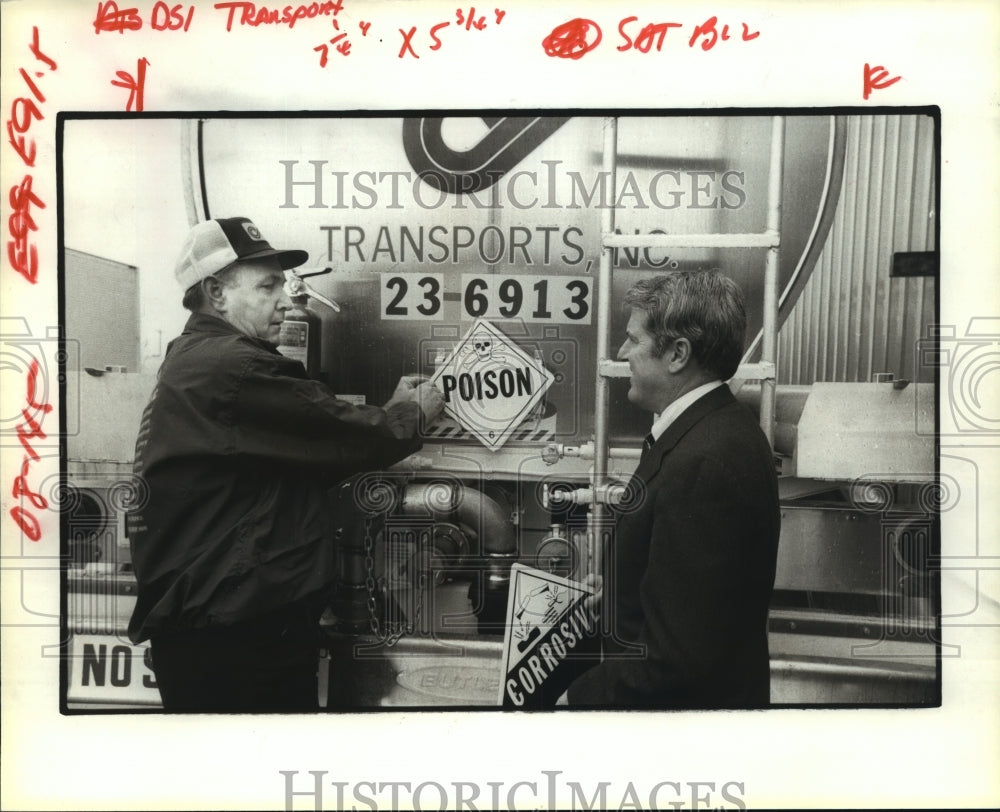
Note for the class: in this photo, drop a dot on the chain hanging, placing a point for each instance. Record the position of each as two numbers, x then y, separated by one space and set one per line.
387 633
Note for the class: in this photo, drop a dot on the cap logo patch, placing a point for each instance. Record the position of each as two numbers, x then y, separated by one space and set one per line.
252 231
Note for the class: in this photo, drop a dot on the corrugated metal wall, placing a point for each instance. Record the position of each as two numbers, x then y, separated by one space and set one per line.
852 320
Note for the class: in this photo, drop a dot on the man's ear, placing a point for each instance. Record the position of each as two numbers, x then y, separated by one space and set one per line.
679 355
215 293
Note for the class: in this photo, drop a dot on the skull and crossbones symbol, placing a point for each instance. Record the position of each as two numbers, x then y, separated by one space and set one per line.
483 345
484 348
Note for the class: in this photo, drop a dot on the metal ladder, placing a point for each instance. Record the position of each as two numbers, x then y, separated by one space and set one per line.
608 368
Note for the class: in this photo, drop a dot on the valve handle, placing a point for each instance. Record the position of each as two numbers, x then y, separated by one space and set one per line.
314 273
296 286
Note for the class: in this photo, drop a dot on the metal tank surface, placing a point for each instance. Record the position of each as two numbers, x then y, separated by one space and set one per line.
429 223
514 237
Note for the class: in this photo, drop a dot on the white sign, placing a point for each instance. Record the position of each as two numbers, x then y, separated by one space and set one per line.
548 639
105 669
491 385
529 297
412 296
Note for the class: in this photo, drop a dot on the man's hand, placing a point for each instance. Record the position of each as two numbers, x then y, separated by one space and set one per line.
405 389
593 602
418 389
430 399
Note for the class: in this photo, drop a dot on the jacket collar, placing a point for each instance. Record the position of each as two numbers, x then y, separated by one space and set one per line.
203 323
705 405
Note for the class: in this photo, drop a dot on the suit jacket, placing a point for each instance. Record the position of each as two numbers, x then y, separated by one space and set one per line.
689 575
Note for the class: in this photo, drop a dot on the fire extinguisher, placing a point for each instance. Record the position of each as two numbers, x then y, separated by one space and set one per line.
302 330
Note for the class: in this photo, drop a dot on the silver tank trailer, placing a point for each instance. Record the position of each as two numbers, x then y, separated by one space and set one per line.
526 208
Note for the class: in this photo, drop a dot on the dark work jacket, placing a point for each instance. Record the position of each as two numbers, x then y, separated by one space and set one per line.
691 570
237 449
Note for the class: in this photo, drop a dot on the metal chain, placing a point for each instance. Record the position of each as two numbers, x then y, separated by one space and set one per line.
389 635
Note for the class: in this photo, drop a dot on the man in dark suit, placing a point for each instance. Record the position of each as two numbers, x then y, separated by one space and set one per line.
689 575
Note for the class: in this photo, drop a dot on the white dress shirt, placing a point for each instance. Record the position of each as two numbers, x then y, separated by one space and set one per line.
675 409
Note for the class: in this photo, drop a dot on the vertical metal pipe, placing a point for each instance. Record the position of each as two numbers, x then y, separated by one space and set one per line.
191 173
769 343
601 406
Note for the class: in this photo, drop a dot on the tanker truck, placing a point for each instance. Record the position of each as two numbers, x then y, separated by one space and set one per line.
491 253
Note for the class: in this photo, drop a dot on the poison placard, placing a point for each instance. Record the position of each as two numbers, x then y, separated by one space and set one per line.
490 384
549 638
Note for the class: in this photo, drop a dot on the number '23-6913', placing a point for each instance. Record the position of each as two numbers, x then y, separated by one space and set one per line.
530 297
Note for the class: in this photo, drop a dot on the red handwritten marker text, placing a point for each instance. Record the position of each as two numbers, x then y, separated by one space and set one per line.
29 430
250 14
135 85
111 18
652 35
470 20
163 17
339 41
573 39
710 35
171 18
24 111
467 19
22 253
877 78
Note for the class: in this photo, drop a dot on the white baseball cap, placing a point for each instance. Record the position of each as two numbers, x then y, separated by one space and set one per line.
216 244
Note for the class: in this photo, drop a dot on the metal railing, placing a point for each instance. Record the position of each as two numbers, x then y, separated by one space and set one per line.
606 368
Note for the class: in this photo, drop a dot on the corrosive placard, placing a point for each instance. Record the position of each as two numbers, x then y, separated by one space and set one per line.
490 384
549 638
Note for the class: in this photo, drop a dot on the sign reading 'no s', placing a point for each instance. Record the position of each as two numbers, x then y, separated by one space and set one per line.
490 385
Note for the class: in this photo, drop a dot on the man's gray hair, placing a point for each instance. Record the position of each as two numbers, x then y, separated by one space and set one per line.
704 307
194 297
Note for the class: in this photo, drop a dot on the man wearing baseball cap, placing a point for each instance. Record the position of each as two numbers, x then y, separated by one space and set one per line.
232 547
